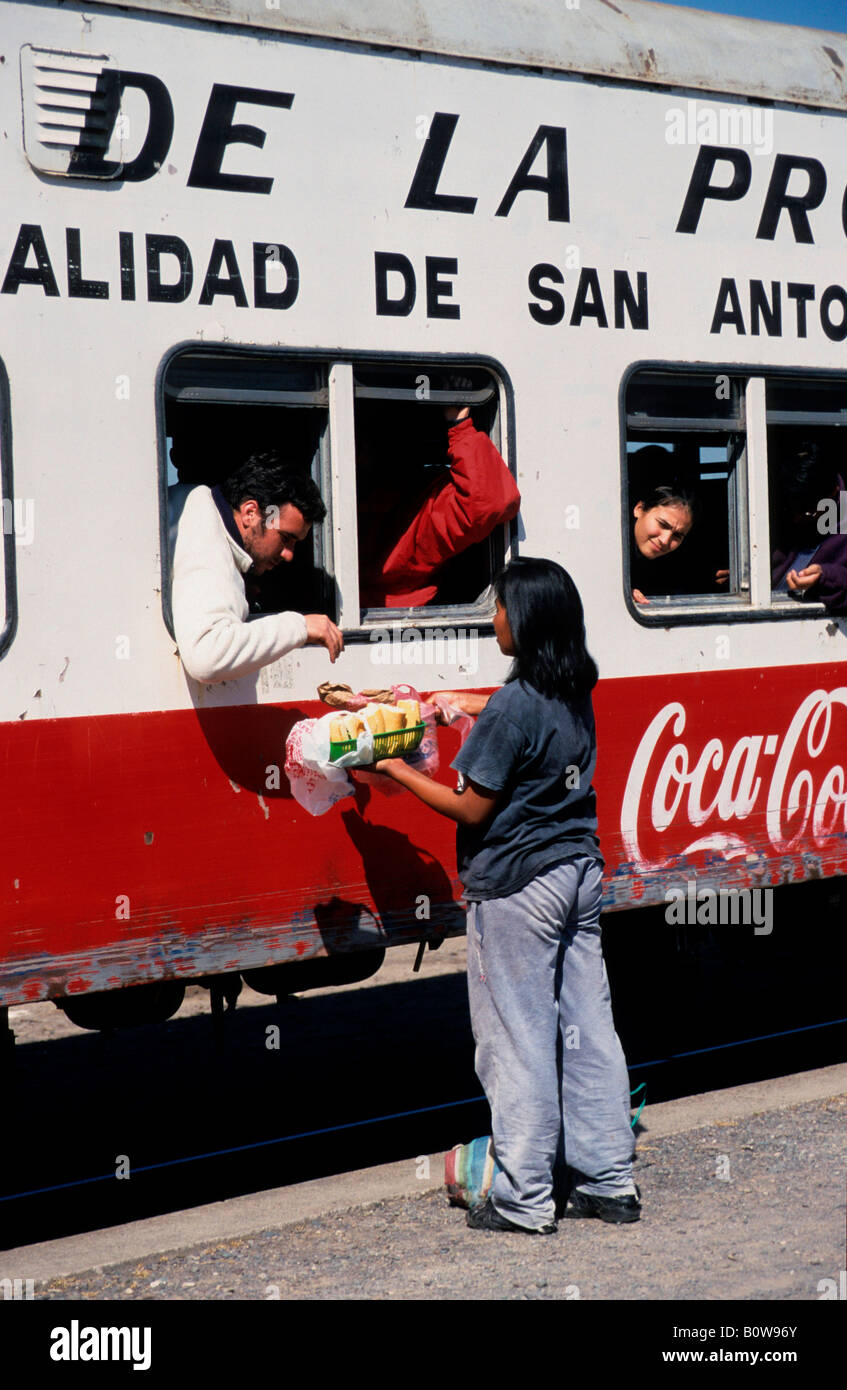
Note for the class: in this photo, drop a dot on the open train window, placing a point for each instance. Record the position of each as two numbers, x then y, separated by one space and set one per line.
806 441
378 438
433 495
685 473
759 454
219 408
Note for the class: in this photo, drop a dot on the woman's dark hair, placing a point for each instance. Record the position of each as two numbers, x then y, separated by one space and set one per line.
272 483
670 495
546 620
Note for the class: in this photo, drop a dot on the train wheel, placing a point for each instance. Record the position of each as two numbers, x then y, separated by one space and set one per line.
316 973
124 1008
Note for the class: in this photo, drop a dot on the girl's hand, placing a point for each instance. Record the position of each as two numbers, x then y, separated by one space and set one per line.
639 597
385 765
462 700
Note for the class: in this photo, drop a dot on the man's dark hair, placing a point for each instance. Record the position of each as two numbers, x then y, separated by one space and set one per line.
271 483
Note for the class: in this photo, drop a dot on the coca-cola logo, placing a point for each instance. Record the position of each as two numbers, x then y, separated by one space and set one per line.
787 780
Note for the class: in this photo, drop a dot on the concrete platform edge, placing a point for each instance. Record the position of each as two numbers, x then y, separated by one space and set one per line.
288 1206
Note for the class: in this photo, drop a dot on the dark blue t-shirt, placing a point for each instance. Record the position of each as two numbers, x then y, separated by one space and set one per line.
540 754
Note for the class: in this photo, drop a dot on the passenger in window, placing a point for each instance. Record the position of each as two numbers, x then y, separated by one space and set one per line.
405 540
225 535
810 561
663 518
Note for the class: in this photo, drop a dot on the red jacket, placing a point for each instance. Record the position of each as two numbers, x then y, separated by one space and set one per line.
460 508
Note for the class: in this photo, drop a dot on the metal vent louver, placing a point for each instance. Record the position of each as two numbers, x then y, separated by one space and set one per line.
70 110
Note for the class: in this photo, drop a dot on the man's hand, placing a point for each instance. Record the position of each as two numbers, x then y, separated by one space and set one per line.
639 597
322 632
800 580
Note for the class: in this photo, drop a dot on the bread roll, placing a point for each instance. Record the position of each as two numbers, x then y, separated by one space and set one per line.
394 719
375 721
338 731
355 726
412 711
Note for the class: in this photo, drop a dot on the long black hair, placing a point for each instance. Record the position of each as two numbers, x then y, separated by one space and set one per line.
546 620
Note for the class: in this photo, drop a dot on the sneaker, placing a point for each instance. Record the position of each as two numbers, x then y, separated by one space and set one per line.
614 1209
486 1217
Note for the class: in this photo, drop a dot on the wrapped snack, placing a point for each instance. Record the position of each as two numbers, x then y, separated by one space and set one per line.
339 696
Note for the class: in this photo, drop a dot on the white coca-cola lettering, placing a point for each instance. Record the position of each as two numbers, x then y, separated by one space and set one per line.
740 802
735 795
816 709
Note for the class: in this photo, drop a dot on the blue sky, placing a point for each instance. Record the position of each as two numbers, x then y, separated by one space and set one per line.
816 14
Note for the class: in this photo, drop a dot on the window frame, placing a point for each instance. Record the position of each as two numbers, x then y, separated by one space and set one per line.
337 549
752 521
7 490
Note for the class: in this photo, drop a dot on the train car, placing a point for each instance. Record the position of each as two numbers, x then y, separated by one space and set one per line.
230 226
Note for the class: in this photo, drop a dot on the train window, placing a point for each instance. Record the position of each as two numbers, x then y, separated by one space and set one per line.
806 438
401 537
685 541
219 408
433 493
18 521
761 456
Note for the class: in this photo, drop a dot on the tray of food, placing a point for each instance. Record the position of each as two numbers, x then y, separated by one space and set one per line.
396 729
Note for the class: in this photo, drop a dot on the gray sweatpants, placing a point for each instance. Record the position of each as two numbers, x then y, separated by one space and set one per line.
547 1053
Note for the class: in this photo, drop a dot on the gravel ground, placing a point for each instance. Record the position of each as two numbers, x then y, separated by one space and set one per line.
750 1209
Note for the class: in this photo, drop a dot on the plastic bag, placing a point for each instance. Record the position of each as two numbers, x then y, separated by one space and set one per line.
456 718
316 783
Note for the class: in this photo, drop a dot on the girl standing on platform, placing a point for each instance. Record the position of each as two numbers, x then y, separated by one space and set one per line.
547 1054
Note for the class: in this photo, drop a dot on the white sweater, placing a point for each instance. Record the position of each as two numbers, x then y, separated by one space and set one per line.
210 608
